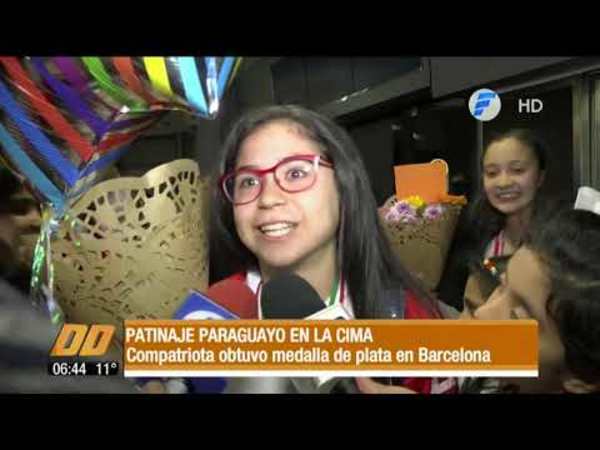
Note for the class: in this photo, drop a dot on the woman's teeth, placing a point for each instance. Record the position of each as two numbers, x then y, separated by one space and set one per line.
276 229
508 196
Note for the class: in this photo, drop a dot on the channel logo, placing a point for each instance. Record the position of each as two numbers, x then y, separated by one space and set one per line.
485 105
83 340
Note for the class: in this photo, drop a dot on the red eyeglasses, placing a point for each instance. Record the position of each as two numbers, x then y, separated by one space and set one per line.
292 174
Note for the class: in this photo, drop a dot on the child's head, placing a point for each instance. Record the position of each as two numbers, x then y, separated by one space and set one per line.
316 207
555 279
513 168
288 219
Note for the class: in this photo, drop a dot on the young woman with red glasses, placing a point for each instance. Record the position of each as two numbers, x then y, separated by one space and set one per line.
293 195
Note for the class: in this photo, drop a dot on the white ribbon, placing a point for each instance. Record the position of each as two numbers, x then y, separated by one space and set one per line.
588 199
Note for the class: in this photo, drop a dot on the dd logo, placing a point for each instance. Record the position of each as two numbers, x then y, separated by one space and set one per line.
83 340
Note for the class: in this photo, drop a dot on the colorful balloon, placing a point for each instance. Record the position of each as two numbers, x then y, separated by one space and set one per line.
63 120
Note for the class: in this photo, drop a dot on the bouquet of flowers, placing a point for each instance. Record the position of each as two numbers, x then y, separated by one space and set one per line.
421 233
132 248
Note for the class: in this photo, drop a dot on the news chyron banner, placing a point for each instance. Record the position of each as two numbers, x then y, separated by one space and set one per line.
372 348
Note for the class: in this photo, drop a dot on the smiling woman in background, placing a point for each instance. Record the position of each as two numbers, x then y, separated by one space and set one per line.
513 170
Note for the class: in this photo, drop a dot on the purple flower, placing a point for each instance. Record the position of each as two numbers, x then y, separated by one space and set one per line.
403 208
432 212
391 215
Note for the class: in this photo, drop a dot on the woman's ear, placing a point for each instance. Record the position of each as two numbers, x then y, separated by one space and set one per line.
574 385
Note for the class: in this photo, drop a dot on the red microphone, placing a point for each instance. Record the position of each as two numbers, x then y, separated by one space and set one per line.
236 297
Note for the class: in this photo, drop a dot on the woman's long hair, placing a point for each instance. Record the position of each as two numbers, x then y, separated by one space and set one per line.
368 264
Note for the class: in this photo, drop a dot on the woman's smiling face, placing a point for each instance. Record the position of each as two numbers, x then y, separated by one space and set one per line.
287 230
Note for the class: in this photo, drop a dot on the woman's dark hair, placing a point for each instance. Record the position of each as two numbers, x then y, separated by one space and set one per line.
485 221
367 261
568 245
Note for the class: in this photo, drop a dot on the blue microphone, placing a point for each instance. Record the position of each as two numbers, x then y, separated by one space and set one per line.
233 294
198 306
